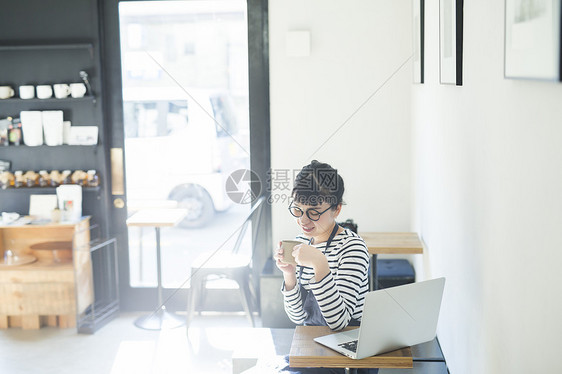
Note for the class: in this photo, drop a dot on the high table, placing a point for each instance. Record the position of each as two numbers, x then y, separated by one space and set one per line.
305 352
158 218
389 243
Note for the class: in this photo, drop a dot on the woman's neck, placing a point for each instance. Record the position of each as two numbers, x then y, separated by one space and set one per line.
325 236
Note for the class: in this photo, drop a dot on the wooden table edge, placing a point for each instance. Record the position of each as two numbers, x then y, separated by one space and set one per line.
342 362
397 359
395 251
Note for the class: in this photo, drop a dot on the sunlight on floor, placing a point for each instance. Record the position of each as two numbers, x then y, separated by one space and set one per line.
122 348
134 357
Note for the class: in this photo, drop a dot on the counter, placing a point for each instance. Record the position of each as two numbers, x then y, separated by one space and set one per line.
45 292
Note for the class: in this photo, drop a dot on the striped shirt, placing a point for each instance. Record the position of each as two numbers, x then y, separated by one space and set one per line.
341 293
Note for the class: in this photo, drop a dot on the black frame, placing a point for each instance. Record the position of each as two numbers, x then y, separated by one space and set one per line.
419 40
143 299
530 71
458 40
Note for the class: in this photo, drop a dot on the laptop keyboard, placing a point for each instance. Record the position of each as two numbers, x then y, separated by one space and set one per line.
350 346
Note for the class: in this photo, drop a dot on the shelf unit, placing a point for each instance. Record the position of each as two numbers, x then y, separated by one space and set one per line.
45 189
17 100
59 59
39 54
36 46
27 147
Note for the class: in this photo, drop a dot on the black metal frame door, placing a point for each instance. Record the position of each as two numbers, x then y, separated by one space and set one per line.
144 298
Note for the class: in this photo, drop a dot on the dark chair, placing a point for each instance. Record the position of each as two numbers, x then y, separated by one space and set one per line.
349 224
227 263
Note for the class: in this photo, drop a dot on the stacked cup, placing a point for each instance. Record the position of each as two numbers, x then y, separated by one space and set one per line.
45 91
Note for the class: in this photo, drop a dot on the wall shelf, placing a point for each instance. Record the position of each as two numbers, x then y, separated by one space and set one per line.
7 47
46 189
44 146
87 98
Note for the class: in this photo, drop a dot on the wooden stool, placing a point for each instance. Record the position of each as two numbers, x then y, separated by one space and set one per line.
58 251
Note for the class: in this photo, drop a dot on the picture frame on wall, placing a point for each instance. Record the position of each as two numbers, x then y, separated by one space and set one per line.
532 40
450 41
418 27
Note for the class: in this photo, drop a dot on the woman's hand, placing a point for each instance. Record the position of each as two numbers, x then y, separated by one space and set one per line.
289 270
309 256
278 257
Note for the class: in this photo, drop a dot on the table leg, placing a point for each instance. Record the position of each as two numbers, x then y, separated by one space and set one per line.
159 266
141 253
160 318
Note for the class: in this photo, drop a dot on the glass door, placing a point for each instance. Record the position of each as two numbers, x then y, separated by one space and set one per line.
186 128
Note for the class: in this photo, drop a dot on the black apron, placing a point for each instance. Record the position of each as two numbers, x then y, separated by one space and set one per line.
314 316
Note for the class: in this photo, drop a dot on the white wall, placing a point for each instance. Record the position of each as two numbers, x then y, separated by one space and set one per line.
355 46
488 202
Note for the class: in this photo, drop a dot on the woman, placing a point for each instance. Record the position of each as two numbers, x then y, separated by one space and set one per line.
327 287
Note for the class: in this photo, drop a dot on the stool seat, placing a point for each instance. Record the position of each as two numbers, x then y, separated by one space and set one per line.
60 251
394 272
51 246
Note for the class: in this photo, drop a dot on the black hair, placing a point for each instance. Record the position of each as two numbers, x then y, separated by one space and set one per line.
317 183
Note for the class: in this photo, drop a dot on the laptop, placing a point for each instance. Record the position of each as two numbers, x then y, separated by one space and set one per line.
393 318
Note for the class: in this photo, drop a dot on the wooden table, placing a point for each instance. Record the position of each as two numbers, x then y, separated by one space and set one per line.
305 352
158 218
389 243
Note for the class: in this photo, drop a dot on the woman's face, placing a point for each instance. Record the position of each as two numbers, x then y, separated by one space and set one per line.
322 222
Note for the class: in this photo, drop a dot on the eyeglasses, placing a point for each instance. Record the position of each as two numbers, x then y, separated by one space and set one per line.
312 214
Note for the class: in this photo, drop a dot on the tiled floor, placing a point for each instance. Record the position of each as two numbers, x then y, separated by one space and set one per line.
120 347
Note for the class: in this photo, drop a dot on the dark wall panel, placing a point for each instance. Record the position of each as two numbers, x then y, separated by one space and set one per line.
49 42
25 20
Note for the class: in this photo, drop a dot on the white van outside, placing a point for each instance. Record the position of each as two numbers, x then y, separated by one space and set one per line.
180 147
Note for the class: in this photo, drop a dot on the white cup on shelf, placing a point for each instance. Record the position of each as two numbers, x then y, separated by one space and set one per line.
27 92
44 91
6 92
62 90
77 90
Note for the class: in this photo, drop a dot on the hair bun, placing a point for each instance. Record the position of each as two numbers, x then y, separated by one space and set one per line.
318 182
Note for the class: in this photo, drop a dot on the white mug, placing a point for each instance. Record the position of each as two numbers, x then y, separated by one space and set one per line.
77 89
61 90
27 92
6 92
44 91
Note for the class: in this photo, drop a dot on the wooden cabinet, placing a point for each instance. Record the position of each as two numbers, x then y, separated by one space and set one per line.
46 292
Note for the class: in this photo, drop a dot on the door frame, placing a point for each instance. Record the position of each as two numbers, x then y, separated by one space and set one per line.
144 299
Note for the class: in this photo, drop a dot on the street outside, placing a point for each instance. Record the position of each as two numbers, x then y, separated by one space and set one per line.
179 246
